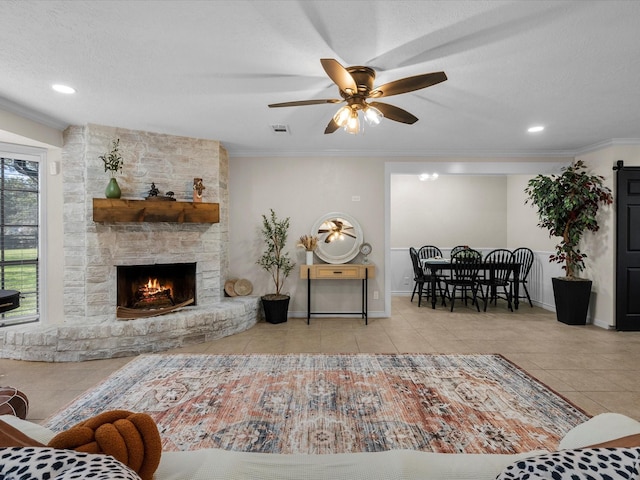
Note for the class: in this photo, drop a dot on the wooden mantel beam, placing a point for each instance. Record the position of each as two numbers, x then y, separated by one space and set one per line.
108 210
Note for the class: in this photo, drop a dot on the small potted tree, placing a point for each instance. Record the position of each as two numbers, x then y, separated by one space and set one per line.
567 206
277 262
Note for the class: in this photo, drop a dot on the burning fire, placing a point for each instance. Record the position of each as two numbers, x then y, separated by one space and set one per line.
153 287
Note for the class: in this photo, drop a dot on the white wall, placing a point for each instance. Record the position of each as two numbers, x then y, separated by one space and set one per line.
448 211
520 220
17 129
600 246
305 189
53 299
522 216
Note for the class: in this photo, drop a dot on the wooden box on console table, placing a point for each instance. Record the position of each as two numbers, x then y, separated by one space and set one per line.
120 210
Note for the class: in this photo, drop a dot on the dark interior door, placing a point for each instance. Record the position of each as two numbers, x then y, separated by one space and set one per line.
627 247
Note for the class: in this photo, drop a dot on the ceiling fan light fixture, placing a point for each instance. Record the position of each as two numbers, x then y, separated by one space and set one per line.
355 85
335 236
353 123
342 116
372 115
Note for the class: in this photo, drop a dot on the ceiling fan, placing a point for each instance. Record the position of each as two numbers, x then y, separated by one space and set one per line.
356 86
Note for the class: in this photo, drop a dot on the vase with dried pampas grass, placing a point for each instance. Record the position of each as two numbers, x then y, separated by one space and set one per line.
309 243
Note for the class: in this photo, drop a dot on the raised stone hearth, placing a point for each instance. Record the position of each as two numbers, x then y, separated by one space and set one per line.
88 328
132 337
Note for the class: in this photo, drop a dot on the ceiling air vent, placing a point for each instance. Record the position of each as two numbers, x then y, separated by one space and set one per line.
280 128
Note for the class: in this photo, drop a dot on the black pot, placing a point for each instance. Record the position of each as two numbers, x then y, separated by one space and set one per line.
275 308
572 300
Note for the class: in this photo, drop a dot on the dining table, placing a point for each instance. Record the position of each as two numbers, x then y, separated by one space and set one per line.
439 264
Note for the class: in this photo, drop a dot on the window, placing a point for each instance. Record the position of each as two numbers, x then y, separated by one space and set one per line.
20 233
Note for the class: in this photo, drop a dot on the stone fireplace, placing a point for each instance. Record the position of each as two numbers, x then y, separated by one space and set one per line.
95 252
155 288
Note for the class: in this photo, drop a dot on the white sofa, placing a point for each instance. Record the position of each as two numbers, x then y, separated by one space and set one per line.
213 464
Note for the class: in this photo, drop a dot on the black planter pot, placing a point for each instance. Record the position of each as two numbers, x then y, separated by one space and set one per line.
275 308
572 300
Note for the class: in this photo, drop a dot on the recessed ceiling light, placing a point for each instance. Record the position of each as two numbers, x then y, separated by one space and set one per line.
535 129
63 89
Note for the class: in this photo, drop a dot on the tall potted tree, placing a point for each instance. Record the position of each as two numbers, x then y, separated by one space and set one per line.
567 206
277 262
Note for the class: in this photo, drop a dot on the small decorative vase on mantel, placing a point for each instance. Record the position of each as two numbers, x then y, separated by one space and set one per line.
113 163
113 189
309 257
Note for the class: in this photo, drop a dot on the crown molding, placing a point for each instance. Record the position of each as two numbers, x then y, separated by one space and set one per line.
404 153
613 142
33 115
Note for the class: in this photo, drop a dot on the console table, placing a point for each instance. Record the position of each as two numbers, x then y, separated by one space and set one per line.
347 271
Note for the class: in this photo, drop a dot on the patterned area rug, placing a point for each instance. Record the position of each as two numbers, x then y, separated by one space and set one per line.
334 403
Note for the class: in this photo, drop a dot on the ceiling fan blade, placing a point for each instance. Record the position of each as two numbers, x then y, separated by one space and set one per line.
339 75
394 113
305 102
408 84
331 127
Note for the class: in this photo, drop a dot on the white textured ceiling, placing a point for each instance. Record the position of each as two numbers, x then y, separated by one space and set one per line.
208 69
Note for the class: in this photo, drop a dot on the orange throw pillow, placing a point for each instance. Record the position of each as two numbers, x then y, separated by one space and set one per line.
130 438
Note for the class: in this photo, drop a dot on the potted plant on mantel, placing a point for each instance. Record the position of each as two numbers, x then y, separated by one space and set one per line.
567 206
113 163
277 262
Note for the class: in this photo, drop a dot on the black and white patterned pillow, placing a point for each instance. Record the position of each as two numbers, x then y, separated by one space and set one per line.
40 463
579 464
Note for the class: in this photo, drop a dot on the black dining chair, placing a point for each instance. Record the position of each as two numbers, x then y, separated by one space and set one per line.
524 256
418 275
498 269
457 248
429 251
425 252
463 276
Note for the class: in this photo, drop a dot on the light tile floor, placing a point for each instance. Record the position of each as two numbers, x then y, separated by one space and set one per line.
596 369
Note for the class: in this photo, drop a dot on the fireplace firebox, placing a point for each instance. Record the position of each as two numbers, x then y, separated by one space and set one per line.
147 290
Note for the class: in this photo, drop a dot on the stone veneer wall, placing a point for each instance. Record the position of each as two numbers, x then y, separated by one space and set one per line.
92 251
